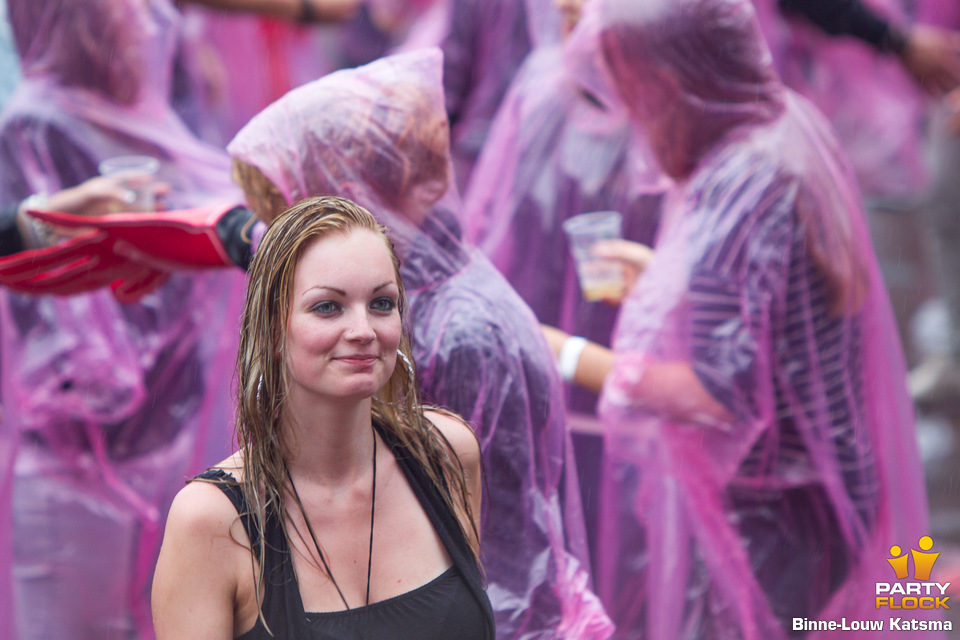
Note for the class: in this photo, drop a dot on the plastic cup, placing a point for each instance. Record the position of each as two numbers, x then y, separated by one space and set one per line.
600 279
137 174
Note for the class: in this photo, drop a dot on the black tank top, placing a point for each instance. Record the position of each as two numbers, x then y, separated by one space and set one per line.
453 605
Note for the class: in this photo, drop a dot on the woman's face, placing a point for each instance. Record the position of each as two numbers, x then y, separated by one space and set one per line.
656 101
420 200
344 325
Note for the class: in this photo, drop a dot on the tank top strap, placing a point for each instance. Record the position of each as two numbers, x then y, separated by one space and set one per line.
444 522
231 488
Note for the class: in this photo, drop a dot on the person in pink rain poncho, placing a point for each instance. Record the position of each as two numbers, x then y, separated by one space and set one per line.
484 43
875 107
760 447
555 151
379 136
107 407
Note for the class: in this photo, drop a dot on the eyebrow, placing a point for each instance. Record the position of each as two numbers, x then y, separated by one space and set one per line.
344 293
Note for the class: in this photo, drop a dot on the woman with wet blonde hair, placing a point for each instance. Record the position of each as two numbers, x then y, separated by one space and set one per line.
378 135
357 505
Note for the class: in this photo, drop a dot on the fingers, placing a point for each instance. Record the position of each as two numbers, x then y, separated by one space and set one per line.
30 264
632 253
83 264
133 287
80 276
632 256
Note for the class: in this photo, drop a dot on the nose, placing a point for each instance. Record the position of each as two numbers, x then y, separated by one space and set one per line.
361 329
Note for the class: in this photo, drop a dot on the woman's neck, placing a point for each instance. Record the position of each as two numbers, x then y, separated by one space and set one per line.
329 443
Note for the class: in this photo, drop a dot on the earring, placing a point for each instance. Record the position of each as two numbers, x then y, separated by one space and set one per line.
259 387
408 363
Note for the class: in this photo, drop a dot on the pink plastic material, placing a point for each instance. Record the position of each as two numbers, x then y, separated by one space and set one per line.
107 407
942 13
761 451
379 135
554 151
485 44
876 109
252 60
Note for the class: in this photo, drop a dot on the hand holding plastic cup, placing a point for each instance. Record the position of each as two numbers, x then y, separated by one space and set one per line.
600 278
138 175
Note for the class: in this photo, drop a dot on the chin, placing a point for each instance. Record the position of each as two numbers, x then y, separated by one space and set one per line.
361 391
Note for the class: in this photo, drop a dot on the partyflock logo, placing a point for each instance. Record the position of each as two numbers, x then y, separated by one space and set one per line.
919 593
899 598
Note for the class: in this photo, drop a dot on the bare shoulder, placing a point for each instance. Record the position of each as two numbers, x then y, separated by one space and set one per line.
200 511
458 433
466 447
199 579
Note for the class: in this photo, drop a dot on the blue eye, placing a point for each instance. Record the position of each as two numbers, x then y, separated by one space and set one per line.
383 305
326 308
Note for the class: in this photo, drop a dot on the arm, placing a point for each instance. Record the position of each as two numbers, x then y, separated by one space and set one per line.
929 54
133 253
298 10
196 582
467 449
671 388
845 17
590 368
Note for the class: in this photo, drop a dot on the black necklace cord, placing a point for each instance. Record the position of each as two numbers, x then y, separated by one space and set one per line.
373 502
313 536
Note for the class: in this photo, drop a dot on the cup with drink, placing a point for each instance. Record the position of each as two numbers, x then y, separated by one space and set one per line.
138 174
600 278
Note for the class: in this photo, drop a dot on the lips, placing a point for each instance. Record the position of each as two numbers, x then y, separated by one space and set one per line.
357 358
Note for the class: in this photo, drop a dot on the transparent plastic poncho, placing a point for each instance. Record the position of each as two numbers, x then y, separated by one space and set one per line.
484 44
877 110
555 151
379 136
251 60
761 455
107 407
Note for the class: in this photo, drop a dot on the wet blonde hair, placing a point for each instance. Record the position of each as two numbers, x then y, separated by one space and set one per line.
262 374
263 196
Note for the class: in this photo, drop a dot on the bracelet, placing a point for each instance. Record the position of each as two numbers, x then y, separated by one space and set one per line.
570 357
38 233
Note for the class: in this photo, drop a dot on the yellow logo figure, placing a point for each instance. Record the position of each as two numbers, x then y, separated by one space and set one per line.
922 561
899 564
918 593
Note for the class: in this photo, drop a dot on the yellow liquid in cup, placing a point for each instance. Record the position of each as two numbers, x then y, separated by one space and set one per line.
601 280
603 291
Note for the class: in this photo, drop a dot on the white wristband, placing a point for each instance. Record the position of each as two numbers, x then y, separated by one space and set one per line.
36 233
570 357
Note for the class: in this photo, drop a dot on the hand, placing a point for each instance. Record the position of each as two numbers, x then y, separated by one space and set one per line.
84 263
132 253
94 197
165 240
633 256
97 196
932 57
